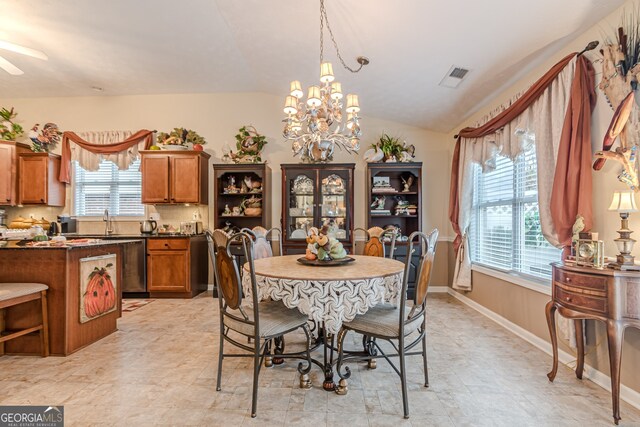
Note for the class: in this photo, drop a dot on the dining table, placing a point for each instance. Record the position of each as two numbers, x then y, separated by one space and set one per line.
328 294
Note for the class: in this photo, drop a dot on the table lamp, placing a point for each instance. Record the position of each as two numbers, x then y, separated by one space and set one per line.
624 202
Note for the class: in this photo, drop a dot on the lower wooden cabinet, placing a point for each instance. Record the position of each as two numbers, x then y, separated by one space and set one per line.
176 267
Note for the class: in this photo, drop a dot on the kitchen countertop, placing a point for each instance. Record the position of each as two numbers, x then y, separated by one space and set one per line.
20 244
130 236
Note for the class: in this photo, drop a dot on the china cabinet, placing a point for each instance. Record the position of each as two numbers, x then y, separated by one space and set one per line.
394 199
170 177
314 195
236 205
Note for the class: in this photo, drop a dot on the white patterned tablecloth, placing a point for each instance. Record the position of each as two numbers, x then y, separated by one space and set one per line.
331 295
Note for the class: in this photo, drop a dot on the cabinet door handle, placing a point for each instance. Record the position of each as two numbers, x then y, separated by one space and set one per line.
42 200
568 299
568 279
8 199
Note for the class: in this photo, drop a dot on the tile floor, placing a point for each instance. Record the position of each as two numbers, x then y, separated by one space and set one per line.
160 368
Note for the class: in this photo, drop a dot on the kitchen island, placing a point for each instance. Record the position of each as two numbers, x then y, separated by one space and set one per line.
78 314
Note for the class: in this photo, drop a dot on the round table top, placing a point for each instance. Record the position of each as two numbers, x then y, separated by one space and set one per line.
364 267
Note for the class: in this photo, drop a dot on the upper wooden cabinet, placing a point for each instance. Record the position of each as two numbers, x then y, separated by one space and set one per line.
9 171
38 179
175 177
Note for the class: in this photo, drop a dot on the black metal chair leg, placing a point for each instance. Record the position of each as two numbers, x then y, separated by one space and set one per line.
424 359
256 371
220 357
403 380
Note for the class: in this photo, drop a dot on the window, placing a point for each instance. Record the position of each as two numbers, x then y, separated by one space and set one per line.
505 231
108 188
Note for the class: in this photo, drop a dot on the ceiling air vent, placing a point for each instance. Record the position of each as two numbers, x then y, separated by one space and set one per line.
454 77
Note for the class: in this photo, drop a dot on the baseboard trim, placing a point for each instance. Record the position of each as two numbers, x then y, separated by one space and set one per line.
627 394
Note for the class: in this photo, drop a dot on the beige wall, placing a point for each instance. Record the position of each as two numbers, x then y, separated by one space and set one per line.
217 117
525 307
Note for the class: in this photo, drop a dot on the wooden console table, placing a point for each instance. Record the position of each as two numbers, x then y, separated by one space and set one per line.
607 295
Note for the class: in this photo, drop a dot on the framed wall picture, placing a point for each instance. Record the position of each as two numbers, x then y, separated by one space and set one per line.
98 287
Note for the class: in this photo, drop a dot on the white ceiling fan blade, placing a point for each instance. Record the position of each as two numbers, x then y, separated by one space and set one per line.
9 67
23 50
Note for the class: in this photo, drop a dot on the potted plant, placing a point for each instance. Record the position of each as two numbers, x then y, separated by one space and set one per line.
180 138
249 144
389 149
9 130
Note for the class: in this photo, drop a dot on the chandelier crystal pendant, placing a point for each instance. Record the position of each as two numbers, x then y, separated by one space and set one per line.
316 127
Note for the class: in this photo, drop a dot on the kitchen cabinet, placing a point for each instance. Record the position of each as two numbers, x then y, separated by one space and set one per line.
176 266
38 179
314 195
170 177
9 151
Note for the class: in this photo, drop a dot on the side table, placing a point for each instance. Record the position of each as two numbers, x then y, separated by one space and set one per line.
610 296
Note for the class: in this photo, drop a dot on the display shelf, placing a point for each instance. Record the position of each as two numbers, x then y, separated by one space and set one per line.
319 186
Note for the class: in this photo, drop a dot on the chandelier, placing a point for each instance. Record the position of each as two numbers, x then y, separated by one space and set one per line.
316 127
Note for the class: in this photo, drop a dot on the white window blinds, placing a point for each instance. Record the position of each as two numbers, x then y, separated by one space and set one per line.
108 188
505 230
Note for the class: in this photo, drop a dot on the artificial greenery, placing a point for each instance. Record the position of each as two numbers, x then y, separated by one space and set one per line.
9 130
180 136
394 147
249 144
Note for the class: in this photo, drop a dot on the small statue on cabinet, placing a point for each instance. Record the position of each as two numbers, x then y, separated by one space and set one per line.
406 183
226 211
378 203
247 184
231 188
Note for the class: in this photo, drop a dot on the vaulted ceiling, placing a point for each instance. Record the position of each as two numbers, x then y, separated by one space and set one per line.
201 46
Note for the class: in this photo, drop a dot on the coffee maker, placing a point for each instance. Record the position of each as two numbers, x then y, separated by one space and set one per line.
67 224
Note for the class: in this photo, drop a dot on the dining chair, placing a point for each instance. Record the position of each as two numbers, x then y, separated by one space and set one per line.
395 324
262 249
262 240
260 321
374 241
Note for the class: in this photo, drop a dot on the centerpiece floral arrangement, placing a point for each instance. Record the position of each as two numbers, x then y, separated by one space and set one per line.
9 130
181 137
323 247
390 149
249 144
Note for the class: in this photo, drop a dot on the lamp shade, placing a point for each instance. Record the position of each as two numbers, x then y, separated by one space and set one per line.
296 89
291 105
352 104
336 91
313 100
624 202
326 72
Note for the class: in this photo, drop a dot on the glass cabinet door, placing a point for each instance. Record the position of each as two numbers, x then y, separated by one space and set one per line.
334 203
301 204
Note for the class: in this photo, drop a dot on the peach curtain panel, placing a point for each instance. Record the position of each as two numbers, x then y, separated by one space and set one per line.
103 147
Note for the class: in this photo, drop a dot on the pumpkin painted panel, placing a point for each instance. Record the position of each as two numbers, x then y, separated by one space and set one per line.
98 287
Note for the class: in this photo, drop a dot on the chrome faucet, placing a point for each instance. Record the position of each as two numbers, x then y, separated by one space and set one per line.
108 224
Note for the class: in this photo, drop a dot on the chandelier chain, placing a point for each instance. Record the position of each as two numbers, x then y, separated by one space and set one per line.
323 19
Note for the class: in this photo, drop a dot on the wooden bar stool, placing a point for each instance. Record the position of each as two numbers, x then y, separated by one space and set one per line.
17 293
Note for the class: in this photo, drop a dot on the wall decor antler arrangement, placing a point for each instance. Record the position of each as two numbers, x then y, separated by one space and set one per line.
620 73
